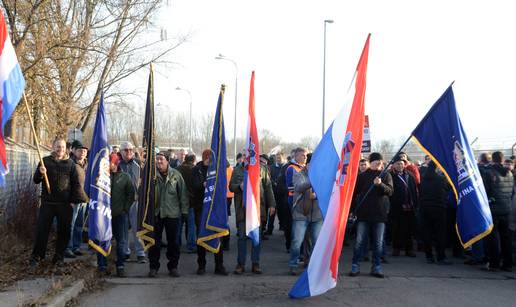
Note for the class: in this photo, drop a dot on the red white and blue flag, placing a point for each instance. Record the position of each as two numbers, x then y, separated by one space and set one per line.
333 172
12 84
252 175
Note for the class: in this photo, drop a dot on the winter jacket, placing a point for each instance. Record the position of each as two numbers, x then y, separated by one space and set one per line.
499 188
433 191
304 208
198 178
171 195
186 170
404 193
122 193
375 207
81 170
289 179
266 194
132 168
65 187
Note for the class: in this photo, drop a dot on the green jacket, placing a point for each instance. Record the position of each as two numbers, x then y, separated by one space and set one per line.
122 193
171 195
266 194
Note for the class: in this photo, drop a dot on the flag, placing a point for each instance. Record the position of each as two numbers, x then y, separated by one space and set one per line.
214 220
252 175
12 84
440 134
97 186
333 171
146 190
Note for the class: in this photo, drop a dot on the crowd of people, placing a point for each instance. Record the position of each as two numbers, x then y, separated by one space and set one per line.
409 206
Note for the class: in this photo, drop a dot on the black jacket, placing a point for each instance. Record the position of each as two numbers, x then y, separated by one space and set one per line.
64 182
433 191
499 188
403 192
375 207
198 178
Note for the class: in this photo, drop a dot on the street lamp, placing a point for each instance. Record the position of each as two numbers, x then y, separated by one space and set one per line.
324 75
190 119
222 57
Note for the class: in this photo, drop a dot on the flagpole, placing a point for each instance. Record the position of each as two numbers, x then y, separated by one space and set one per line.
47 183
382 173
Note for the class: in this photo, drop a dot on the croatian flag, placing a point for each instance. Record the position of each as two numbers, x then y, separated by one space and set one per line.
252 175
333 172
11 89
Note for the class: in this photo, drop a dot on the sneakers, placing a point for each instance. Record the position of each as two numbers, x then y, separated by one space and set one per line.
120 272
377 274
239 270
221 271
201 271
174 273
355 270
354 273
153 273
141 259
69 254
256 269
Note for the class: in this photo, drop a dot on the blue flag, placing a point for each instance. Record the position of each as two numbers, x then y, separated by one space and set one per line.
440 134
97 186
214 222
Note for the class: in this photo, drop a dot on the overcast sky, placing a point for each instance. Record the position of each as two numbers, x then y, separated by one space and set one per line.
417 49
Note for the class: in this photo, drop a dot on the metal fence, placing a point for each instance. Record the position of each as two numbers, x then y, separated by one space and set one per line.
22 160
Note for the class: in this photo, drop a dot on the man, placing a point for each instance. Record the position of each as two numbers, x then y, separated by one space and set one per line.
371 211
171 197
130 166
269 221
275 171
306 215
411 168
499 188
295 166
404 201
115 149
433 198
266 201
199 184
363 165
229 200
186 170
65 189
239 158
80 158
122 197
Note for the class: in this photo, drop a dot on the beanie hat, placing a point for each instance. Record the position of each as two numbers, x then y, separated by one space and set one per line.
375 156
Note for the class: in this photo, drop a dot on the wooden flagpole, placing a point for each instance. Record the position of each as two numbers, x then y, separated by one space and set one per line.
47 183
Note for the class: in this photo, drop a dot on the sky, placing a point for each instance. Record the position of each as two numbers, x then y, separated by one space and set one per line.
417 49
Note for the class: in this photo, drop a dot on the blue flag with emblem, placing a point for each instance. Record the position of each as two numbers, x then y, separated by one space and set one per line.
440 134
214 220
97 186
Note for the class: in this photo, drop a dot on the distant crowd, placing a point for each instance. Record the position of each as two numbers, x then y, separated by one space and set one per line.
410 207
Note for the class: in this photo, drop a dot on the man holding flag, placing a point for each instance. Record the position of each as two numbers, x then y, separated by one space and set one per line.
333 172
252 186
210 177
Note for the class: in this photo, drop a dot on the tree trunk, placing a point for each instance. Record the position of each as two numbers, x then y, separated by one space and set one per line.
10 128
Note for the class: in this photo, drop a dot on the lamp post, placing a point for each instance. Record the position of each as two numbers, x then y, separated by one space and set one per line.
324 76
222 57
190 117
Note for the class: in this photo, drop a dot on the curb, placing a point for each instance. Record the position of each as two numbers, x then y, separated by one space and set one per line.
67 294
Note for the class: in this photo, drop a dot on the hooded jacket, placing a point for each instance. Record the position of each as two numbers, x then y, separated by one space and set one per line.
499 183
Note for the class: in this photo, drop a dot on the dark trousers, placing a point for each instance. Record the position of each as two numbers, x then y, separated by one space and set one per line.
201 251
171 226
500 239
47 212
403 230
434 228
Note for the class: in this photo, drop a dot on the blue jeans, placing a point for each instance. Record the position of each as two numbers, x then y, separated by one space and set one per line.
191 241
119 226
298 235
242 246
133 220
376 230
76 230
